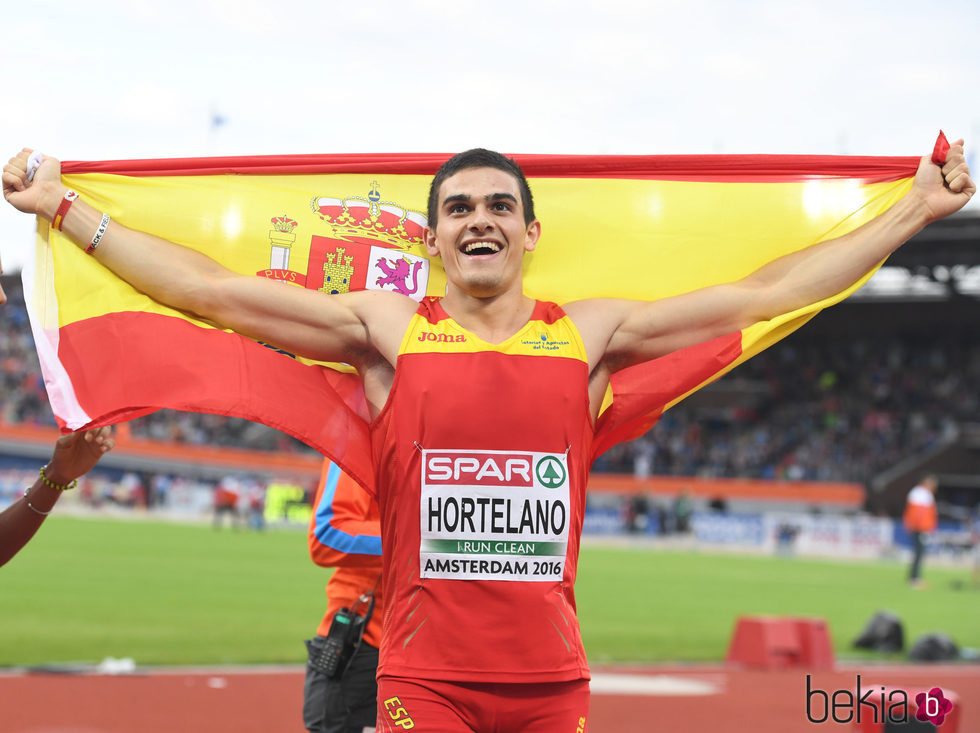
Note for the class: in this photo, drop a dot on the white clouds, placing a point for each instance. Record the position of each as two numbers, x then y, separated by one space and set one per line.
566 76
151 104
116 78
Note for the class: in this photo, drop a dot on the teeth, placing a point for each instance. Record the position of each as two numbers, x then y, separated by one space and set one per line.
493 246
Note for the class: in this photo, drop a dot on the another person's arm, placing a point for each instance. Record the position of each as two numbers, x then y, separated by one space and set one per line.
345 529
74 455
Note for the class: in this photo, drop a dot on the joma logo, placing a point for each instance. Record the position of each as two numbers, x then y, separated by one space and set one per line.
442 337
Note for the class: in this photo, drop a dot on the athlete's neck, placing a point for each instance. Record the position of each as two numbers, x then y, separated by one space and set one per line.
494 319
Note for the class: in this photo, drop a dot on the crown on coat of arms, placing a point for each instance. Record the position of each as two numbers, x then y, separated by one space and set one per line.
283 224
370 217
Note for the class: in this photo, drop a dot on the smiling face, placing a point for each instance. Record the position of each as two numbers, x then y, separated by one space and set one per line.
481 235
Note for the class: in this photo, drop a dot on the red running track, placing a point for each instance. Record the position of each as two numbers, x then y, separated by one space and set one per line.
262 700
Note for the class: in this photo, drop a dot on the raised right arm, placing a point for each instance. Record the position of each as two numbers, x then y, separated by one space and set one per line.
305 322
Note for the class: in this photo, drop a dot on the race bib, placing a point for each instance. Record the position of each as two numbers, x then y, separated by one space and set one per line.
494 515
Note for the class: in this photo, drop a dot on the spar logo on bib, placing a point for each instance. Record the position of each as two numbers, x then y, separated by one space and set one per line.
494 515
478 468
551 472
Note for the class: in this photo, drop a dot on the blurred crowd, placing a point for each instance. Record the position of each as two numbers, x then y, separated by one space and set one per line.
827 411
22 395
803 410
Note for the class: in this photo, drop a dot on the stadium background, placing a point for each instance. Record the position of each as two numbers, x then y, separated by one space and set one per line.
874 392
829 428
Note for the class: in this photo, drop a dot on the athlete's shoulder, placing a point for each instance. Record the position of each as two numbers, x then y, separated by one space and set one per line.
595 316
382 312
431 309
549 314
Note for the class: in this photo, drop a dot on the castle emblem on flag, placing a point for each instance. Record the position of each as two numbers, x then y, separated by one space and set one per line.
366 245
337 272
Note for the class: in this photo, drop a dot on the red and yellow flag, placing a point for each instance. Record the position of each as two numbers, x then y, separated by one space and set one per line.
625 226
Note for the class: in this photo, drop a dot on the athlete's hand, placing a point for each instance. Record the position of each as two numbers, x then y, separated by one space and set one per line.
946 189
31 196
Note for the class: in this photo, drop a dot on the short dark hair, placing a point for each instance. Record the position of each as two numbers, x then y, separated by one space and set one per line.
479 158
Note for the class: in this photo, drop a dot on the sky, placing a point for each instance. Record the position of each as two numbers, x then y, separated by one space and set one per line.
109 79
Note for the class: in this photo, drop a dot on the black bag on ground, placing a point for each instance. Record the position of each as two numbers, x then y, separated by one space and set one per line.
934 648
883 634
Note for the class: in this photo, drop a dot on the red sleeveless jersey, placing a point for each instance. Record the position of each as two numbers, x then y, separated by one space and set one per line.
481 457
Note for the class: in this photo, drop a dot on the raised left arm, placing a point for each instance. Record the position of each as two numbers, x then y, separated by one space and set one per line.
619 333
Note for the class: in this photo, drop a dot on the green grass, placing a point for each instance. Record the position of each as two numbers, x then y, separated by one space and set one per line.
659 605
185 594
160 593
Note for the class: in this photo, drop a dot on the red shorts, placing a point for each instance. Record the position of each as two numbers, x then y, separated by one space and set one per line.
429 706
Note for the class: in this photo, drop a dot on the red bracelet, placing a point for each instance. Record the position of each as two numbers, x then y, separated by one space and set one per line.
59 215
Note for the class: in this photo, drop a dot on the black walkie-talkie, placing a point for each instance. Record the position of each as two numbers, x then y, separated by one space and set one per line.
335 643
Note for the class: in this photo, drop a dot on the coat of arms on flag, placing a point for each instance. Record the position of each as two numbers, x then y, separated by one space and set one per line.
367 250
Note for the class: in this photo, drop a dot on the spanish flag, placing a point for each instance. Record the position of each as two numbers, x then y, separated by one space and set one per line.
642 227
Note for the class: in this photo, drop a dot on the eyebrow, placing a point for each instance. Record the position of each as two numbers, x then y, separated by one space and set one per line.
466 198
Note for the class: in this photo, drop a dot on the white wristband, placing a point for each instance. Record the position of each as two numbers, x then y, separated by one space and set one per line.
97 237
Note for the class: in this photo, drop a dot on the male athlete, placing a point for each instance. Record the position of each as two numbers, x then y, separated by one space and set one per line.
481 434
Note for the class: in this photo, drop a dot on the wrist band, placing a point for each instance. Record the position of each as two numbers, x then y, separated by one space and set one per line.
57 487
97 237
59 215
34 508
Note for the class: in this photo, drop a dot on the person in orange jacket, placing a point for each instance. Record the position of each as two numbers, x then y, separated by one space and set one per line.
920 518
344 533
